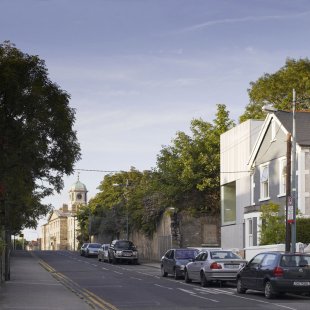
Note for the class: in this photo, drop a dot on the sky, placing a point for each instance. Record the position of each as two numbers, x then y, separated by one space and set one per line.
138 71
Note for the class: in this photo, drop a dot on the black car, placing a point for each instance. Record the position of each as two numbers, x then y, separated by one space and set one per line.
175 260
122 251
276 273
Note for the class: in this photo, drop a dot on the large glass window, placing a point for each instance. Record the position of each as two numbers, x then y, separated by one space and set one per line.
228 202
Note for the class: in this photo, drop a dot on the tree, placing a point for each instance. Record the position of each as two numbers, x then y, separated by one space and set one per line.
37 145
273 224
190 167
277 89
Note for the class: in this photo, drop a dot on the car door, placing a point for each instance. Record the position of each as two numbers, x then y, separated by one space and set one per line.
197 265
265 269
165 261
171 262
249 272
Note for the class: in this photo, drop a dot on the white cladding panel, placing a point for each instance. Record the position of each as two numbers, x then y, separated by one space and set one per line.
236 147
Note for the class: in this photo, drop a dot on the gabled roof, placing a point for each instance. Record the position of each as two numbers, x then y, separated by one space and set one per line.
58 214
285 121
302 120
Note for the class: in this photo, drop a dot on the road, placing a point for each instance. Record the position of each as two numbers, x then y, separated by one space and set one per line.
141 287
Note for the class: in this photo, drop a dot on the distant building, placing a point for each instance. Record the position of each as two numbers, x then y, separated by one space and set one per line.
60 231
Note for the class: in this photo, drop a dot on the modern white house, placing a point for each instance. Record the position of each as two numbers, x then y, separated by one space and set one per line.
236 147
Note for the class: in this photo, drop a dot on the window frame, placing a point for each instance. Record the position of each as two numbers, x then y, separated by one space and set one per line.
282 176
264 192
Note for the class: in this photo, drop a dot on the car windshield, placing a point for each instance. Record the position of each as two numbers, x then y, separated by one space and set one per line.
185 254
94 245
295 260
124 245
224 255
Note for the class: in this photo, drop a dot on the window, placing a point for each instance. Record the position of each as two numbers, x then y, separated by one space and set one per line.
264 182
282 176
250 232
228 203
269 260
252 189
256 260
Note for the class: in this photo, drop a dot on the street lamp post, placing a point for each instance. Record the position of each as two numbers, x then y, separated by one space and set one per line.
74 216
126 205
293 224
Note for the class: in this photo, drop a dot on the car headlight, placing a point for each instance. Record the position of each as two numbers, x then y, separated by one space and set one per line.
118 253
135 253
181 267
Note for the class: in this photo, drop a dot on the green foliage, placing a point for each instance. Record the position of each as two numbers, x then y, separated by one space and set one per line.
277 89
190 167
37 143
303 230
273 224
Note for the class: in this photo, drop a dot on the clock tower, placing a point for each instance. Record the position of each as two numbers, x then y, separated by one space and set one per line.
78 195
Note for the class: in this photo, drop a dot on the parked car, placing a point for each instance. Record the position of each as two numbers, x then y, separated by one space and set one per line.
103 252
92 249
83 248
213 265
122 251
276 273
174 261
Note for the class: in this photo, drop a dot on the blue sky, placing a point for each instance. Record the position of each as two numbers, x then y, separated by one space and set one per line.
138 71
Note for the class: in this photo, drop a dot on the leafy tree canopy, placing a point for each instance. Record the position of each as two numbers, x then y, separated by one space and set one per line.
190 167
277 89
37 144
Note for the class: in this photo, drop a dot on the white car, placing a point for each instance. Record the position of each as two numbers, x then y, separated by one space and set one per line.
103 252
92 249
214 265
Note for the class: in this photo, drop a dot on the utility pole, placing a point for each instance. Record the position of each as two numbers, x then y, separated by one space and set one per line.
294 198
288 192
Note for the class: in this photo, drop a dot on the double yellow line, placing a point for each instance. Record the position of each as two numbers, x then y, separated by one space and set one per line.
93 300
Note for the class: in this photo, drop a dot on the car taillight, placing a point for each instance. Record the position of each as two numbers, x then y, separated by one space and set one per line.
278 272
215 266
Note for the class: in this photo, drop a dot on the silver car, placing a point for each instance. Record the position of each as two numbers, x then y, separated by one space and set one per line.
103 252
214 265
92 249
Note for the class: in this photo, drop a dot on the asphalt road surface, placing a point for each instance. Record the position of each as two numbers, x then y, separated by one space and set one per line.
138 287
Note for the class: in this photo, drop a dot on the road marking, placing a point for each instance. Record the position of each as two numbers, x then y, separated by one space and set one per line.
94 265
104 268
262 301
166 287
195 295
136 278
118 272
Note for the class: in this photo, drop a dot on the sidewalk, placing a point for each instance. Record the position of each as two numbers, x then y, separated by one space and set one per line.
33 288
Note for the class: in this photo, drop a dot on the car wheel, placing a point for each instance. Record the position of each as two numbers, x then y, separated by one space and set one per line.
186 277
175 274
114 261
99 259
269 293
203 279
240 288
163 272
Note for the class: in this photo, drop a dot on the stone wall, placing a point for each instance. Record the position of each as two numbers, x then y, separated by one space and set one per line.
178 230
